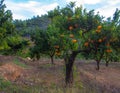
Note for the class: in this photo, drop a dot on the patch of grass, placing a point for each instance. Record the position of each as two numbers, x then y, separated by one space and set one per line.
4 84
17 62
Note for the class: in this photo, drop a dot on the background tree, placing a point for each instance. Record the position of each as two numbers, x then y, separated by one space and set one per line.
9 40
44 42
6 26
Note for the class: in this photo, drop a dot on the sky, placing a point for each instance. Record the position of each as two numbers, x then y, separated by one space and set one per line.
26 9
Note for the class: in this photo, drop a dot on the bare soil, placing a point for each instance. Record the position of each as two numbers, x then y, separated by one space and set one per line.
42 73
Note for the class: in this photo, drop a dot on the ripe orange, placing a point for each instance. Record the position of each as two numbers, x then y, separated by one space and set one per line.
99 27
71 36
74 40
70 27
56 46
98 31
108 50
100 40
86 44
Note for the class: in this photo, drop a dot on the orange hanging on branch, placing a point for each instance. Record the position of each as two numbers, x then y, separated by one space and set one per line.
108 50
71 36
100 40
56 46
70 27
74 40
98 31
99 27
86 44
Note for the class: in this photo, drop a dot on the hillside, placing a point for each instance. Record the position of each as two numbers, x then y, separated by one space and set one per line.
26 27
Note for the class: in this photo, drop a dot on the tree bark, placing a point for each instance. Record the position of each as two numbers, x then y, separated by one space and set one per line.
52 60
98 65
69 69
98 61
107 62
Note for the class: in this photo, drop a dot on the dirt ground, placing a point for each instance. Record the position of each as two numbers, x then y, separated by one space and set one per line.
39 73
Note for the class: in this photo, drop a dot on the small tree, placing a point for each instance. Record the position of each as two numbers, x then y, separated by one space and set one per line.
44 42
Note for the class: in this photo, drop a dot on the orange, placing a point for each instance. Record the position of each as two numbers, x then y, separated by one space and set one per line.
70 27
99 27
98 31
71 36
108 50
100 40
74 40
56 46
86 44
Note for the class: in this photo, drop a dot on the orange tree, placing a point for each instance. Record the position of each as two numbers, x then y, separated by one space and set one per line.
75 26
85 32
44 42
114 42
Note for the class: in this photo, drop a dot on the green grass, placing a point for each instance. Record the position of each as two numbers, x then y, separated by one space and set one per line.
4 84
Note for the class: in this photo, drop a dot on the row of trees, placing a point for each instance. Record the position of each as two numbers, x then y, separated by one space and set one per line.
75 30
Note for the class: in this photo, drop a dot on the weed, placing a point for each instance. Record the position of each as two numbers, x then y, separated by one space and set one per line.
4 84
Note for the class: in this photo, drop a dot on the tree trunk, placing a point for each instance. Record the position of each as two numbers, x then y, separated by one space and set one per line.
69 69
107 62
52 60
98 65
69 73
98 61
